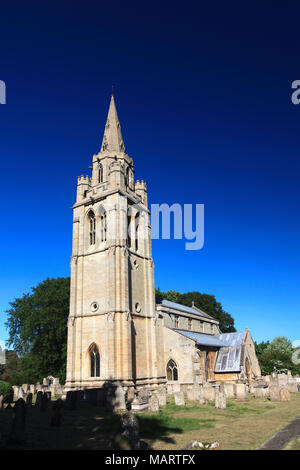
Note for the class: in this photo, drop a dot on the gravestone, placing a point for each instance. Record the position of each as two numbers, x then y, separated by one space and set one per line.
229 390
71 400
29 399
140 403
176 387
202 399
274 392
241 392
209 392
130 395
284 394
20 393
282 379
162 396
57 411
1 401
220 400
179 398
118 401
130 430
44 402
18 424
16 392
292 385
192 394
260 392
153 404
38 401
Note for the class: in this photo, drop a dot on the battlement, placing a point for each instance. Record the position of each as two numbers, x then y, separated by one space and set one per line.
83 180
141 185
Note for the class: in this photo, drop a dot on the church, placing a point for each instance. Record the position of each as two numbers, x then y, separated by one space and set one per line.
117 333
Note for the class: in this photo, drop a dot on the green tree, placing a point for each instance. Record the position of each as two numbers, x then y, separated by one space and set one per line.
12 368
205 302
276 356
37 326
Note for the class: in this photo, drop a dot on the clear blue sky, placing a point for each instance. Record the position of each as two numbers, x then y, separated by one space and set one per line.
203 95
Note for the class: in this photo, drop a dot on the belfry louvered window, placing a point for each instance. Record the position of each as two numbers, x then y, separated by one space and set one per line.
92 222
100 174
103 227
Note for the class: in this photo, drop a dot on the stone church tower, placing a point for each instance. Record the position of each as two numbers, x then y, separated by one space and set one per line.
114 331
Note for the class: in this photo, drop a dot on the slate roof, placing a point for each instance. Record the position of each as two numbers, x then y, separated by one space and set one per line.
202 338
184 308
232 339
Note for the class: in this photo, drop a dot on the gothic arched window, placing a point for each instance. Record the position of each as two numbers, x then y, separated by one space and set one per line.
103 227
92 228
100 174
172 371
95 361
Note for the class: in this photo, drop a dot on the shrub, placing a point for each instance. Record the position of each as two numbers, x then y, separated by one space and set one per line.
5 390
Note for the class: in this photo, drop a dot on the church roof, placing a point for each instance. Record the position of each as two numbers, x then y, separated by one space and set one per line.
232 339
112 138
202 339
184 308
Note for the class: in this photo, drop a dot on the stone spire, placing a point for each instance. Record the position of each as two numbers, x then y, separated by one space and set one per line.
112 138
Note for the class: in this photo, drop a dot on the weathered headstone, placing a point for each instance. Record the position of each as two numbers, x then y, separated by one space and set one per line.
44 402
20 393
282 379
176 387
1 401
241 392
130 395
202 399
179 398
260 392
16 392
284 394
153 404
220 400
292 385
229 390
29 399
130 429
57 410
274 392
38 401
162 396
118 399
209 392
18 424
192 394
140 403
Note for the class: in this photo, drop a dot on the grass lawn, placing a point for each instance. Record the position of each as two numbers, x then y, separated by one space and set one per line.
243 425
